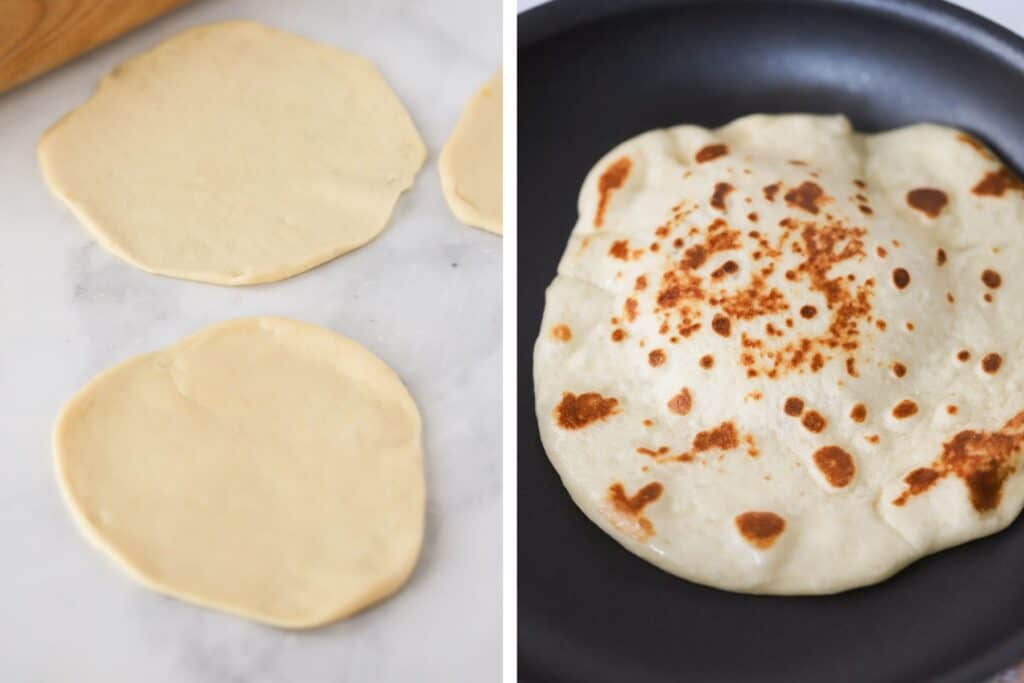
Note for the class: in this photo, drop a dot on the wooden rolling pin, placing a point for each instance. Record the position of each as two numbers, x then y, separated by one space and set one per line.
39 35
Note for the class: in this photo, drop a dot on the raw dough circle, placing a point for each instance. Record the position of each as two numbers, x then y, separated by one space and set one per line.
235 154
470 163
264 467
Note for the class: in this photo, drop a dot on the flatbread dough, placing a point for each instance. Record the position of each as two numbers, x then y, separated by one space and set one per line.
784 357
264 467
470 163
235 154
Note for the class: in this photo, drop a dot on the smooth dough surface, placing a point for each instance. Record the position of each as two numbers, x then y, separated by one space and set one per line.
470 162
785 357
264 467
235 154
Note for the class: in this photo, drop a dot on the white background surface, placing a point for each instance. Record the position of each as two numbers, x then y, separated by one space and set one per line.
1009 13
424 296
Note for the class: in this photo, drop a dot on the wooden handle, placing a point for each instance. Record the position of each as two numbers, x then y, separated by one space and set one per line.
38 35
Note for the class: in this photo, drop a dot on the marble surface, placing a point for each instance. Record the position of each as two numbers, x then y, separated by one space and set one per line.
425 296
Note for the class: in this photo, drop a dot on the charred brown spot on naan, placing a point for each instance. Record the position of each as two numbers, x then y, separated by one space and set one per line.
901 278
618 334
629 309
619 250
681 403
760 529
991 278
561 332
918 481
940 257
859 413
626 512
771 190
836 465
813 421
807 196
794 406
963 355
576 412
928 201
721 325
730 267
997 184
656 358
991 363
613 178
899 369
904 409
982 460
721 192
707 361
711 152
724 437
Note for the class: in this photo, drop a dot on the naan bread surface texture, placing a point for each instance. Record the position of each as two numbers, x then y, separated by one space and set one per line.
235 154
470 163
784 357
263 467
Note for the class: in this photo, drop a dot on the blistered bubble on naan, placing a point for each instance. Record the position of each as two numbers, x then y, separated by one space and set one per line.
786 335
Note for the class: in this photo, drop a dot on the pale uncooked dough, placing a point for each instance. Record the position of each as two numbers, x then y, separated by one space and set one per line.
264 467
786 357
470 163
235 154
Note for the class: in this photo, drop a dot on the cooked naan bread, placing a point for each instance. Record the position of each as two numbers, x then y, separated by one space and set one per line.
785 357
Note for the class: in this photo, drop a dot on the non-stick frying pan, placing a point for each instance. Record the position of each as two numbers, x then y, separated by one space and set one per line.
595 72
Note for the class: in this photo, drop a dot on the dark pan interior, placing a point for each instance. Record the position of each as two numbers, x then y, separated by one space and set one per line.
593 73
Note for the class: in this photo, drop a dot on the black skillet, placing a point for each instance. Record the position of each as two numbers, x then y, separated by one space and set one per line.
595 72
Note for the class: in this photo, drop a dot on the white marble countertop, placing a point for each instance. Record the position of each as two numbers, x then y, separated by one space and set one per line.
425 296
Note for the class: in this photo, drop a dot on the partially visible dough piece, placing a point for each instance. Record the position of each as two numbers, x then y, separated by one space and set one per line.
235 154
263 467
470 163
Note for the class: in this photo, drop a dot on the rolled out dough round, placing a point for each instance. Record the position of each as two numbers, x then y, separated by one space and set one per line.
264 467
235 154
470 163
